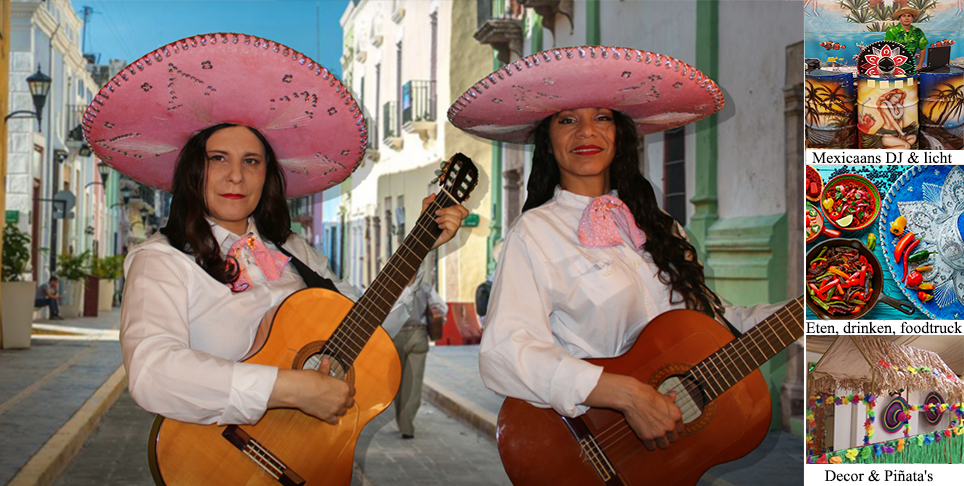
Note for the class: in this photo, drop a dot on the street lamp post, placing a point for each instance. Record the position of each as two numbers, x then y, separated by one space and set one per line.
39 84
104 171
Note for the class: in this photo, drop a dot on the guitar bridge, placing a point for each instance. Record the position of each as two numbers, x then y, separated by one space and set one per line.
261 456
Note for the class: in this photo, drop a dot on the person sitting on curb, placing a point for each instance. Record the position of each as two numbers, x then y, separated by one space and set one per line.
48 294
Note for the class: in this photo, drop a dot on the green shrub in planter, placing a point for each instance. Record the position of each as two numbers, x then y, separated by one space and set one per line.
109 268
74 267
16 253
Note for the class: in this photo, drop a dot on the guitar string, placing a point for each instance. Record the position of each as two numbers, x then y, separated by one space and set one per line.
350 333
271 432
351 329
286 415
626 431
776 315
688 387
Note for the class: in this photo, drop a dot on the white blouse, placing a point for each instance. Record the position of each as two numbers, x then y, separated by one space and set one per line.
183 332
555 301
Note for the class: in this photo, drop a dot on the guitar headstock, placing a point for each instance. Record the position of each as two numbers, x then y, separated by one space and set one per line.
458 176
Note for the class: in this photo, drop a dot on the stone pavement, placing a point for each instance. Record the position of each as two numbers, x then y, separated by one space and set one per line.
53 396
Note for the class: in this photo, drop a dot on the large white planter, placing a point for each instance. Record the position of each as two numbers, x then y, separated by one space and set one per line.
17 305
72 304
106 295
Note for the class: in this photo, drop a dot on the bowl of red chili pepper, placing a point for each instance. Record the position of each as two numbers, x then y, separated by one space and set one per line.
814 186
844 281
850 202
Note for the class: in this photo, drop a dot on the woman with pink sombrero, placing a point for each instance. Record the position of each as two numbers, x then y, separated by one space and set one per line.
231 125
592 259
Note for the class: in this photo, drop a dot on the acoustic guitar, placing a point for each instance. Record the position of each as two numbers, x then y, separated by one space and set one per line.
286 446
723 398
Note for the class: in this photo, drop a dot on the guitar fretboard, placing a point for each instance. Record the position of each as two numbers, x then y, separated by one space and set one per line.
740 357
374 305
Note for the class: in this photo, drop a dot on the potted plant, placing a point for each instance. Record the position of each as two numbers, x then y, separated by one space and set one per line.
108 270
73 271
18 295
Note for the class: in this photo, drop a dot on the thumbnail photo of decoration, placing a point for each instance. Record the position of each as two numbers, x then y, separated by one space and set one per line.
891 399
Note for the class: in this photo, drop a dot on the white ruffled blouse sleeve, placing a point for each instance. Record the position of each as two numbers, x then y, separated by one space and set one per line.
518 356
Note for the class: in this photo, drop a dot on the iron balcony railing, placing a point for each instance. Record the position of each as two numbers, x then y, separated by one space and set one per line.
418 102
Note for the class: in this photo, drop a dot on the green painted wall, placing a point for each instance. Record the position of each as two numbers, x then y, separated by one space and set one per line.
748 258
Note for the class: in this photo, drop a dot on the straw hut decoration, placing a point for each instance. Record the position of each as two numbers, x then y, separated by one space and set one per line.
883 376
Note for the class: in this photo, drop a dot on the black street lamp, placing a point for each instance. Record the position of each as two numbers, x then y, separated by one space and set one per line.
104 171
39 84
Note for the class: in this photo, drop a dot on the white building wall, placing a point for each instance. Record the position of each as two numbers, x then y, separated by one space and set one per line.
751 167
414 151
751 173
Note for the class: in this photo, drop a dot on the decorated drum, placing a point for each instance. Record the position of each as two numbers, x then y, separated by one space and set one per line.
830 111
941 111
887 113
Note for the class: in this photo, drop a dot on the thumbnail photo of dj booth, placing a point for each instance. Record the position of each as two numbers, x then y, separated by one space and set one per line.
875 81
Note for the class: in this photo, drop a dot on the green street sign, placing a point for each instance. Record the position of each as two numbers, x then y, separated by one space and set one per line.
13 216
471 221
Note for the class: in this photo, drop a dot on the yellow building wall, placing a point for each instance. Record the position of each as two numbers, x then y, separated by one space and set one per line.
463 260
4 108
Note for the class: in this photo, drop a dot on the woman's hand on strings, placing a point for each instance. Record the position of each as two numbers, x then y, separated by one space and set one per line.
655 419
449 219
313 392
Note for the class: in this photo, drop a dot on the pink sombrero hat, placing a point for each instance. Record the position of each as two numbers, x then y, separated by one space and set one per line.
139 121
657 91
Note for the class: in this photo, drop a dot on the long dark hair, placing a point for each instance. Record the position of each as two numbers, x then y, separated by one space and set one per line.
186 228
673 255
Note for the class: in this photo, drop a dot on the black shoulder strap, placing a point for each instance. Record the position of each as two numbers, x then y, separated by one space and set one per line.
311 278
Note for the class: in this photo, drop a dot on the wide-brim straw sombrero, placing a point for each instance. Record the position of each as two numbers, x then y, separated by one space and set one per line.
656 91
141 119
905 10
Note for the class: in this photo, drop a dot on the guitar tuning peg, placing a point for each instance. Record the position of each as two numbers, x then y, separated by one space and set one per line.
438 173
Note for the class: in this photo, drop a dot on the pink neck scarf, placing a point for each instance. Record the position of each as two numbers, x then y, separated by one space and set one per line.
270 262
602 220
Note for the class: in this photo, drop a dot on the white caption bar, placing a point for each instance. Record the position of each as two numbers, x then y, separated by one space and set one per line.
885 157
883 327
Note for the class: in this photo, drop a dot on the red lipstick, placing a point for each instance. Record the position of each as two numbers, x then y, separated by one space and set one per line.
587 150
232 196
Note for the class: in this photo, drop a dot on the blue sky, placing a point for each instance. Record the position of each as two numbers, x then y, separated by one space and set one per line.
128 29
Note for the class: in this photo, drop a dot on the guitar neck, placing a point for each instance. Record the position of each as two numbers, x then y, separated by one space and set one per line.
740 357
375 304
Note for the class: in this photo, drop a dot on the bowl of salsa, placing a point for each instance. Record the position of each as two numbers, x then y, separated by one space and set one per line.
850 202
815 227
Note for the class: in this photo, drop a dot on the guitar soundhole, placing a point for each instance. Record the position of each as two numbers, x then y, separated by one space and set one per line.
689 396
310 359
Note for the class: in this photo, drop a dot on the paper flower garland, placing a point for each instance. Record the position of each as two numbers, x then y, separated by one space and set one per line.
917 449
917 369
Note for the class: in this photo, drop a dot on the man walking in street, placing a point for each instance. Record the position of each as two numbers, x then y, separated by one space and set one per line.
412 343
48 294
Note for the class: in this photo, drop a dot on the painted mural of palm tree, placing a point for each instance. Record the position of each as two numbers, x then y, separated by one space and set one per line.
833 101
813 105
948 102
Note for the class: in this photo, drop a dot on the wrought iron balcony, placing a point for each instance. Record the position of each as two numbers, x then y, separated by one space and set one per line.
419 107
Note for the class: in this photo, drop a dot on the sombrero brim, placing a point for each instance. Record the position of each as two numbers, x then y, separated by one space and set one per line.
141 119
901 11
656 91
